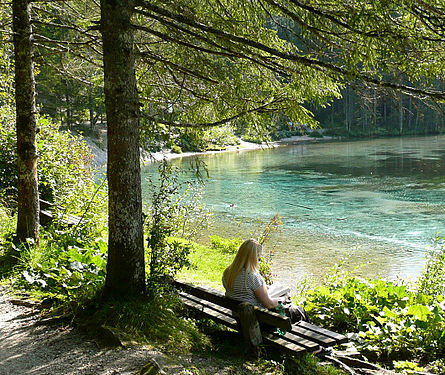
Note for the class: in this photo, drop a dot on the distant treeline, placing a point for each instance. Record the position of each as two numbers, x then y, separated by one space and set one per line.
362 112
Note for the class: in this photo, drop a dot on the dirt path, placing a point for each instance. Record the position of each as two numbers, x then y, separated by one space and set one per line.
30 348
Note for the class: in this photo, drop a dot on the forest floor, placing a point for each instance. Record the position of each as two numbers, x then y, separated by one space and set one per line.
28 346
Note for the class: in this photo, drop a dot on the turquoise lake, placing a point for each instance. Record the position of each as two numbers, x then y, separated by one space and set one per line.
375 203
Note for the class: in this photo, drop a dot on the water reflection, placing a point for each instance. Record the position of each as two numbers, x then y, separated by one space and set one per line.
377 202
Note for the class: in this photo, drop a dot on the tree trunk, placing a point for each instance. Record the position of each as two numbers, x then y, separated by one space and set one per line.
91 109
28 193
125 267
401 115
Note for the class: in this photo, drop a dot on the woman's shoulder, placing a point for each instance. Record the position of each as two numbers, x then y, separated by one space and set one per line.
255 275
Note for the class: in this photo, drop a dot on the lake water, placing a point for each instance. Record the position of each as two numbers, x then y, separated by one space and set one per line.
376 203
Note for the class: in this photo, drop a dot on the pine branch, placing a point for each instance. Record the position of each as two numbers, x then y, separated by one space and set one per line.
304 60
180 68
263 108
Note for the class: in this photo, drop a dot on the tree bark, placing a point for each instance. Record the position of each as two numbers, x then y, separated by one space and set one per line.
28 193
401 115
125 266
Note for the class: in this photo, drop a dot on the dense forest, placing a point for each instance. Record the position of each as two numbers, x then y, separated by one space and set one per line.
69 86
183 75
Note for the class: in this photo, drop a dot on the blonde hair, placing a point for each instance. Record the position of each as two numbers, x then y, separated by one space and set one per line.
247 257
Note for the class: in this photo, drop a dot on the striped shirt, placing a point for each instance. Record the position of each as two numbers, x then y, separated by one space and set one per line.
244 287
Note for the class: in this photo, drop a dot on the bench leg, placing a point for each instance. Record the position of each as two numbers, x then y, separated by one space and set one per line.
250 328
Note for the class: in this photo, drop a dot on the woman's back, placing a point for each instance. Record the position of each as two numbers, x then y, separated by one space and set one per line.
244 287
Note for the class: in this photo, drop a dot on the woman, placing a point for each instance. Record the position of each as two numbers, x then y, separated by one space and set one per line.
243 281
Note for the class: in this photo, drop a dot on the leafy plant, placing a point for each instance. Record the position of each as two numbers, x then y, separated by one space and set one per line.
392 320
62 266
225 245
407 367
8 158
270 228
220 136
66 176
432 280
165 258
266 259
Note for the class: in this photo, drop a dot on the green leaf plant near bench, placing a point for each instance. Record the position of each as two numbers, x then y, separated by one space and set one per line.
250 321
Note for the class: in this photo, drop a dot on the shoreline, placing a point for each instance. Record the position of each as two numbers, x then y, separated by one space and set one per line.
242 146
100 155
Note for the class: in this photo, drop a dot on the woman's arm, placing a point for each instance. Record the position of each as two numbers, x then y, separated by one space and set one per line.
262 295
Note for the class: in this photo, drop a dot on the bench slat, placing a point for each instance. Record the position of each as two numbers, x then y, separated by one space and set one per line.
281 343
211 305
46 215
338 337
208 294
312 336
210 313
273 319
309 345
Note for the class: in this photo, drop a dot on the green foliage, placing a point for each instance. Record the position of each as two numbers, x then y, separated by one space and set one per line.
407 367
68 268
255 138
309 365
6 59
220 137
72 93
271 227
176 149
65 174
191 140
432 280
8 253
392 320
266 269
266 259
225 245
315 134
156 320
7 222
437 366
8 158
169 214
286 133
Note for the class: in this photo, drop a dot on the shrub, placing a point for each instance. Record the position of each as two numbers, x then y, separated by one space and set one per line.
171 213
225 245
8 158
221 136
191 140
392 320
64 265
315 134
176 149
66 177
432 280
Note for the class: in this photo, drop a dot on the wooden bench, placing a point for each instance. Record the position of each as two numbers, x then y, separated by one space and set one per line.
47 215
242 316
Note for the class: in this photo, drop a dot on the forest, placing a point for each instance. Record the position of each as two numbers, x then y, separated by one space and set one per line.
191 76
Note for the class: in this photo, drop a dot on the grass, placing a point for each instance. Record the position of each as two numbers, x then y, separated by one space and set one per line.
209 263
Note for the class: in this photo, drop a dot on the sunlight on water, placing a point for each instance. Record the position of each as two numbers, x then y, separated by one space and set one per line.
378 202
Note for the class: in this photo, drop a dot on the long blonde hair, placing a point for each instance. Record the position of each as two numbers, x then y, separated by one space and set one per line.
247 257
